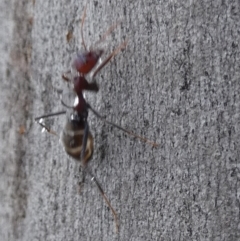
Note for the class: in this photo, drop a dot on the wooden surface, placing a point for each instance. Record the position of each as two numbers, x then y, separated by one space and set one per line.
177 82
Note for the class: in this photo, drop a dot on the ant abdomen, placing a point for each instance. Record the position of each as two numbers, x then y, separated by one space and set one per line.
72 140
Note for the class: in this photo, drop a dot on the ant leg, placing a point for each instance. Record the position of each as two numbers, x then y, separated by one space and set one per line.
93 178
154 144
82 161
38 120
115 52
84 142
81 183
82 22
50 115
87 170
67 106
65 78
47 129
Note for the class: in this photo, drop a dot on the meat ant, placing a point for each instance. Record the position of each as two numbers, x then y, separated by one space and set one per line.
76 137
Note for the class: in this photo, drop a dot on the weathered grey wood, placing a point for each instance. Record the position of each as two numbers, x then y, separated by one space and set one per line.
177 83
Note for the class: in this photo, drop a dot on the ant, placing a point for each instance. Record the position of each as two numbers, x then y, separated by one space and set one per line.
76 137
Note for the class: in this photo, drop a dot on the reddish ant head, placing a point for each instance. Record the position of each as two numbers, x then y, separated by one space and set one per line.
80 84
86 61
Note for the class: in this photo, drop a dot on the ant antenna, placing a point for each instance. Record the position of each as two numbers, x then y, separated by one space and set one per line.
115 52
82 22
110 29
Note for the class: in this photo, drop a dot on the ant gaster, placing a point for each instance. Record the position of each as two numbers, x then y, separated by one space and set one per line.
76 138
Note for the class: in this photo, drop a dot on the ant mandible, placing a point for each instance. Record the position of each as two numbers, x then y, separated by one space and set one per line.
76 138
